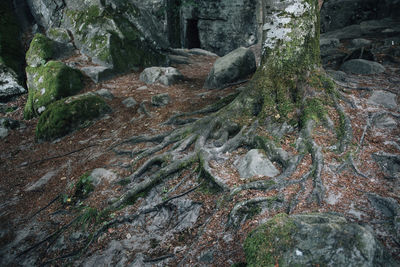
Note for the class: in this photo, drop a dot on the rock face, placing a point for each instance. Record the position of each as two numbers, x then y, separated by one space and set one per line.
336 14
166 76
48 83
11 53
314 239
69 114
389 163
116 34
220 26
362 66
234 66
256 163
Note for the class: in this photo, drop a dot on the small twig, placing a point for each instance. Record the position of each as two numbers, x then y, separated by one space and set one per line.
56 157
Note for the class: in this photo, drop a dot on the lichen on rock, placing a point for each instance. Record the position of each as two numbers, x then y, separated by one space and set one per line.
40 50
48 83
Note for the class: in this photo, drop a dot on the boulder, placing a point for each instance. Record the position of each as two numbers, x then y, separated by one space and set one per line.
233 67
166 76
317 239
383 98
362 66
41 50
389 163
9 83
256 163
7 124
360 42
118 34
328 43
384 121
105 94
129 102
101 175
98 73
160 100
48 83
69 114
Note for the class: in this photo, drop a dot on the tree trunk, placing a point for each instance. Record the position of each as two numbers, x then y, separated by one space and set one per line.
290 51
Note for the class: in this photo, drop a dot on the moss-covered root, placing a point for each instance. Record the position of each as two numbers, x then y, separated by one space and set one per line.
67 115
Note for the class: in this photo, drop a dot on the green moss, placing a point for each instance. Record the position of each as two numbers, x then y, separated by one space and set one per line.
266 244
66 115
48 83
59 35
40 50
313 110
119 43
11 52
84 186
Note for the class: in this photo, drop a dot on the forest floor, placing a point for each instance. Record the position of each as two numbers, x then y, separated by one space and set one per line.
191 229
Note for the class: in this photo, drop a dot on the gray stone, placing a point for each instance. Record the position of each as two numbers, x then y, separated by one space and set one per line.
362 66
359 42
383 98
42 181
160 100
256 163
129 102
175 59
59 35
385 121
389 163
3 132
166 76
98 73
349 32
202 52
328 43
100 175
323 238
9 84
105 94
236 65
337 75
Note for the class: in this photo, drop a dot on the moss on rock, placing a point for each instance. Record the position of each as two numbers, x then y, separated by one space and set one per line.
40 50
67 115
267 243
48 83
111 39
11 53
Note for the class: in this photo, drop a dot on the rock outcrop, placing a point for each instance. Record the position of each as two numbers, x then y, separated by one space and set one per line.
314 239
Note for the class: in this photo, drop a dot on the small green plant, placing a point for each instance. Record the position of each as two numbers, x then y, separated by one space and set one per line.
84 186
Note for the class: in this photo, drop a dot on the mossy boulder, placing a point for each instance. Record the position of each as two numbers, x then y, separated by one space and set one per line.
40 50
66 115
11 53
48 83
319 239
109 35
